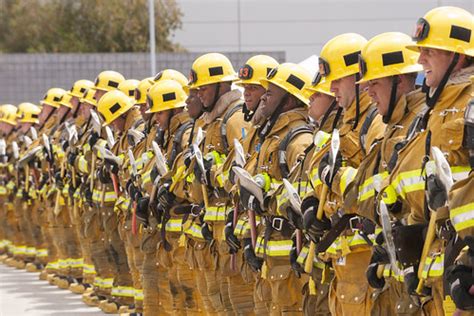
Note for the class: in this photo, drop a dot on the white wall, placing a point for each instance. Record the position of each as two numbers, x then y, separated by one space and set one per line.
298 27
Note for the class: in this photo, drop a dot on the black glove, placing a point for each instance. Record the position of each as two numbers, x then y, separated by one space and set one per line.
165 197
93 138
324 170
154 174
88 195
313 227
58 180
71 158
295 218
157 210
104 175
25 196
112 166
461 279
253 261
65 145
437 195
372 277
207 166
142 210
132 190
248 201
379 256
230 238
411 283
294 260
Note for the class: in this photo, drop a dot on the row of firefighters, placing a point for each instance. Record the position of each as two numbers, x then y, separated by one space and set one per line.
349 193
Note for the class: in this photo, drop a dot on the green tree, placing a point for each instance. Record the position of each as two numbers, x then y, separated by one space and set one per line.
86 25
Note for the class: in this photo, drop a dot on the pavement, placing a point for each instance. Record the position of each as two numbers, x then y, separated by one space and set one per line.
22 293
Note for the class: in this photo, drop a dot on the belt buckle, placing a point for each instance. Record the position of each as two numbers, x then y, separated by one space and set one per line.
277 221
352 223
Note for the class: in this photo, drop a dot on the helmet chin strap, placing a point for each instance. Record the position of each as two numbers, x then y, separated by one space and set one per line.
357 92
267 127
431 101
391 105
214 101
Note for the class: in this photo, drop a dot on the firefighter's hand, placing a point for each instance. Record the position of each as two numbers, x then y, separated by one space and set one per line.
313 227
324 170
460 280
437 194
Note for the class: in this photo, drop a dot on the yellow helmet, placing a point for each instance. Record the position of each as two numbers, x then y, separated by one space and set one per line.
446 28
128 87
8 114
88 97
292 78
142 90
211 68
113 104
66 100
256 69
166 95
108 80
80 87
53 97
173 75
386 55
28 113
339 57
319 85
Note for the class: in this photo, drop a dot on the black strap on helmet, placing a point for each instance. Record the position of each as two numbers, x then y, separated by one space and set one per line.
431 101
391 105
357 91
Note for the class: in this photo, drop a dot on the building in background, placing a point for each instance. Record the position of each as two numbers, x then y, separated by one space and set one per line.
298 27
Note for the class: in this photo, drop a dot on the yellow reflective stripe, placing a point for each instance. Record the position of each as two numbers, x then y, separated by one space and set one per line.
88 269
174 225
10 185
82 165
215 213
314 176
110 196
19 250
76 263
98 282
275 248
122 204
388 272
63 263
3 190
96 195
146 178
139 295
52 265
195 231
123 291
354 240
346 178
304 254
408 181
243 226
107 283
434 267
460 172
462 217
30 251
367 189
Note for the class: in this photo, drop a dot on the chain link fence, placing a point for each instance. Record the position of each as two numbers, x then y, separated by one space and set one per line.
26 77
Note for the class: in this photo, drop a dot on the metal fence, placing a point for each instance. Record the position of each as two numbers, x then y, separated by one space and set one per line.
26 77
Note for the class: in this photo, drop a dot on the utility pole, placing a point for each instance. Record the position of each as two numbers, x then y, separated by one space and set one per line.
151 13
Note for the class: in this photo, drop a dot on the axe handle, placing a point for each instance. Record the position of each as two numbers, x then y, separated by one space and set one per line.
430 236
57 202
204 196
380 269
73 175
27 177
299 240
115 182
233 257
253 227
92 172
308 265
